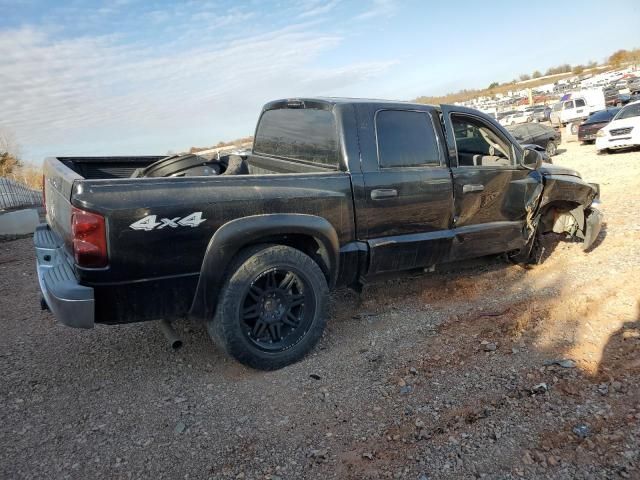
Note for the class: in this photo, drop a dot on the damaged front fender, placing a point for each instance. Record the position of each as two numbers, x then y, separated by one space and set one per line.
569 205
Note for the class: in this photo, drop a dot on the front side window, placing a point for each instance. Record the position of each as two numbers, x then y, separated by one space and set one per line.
478 144
304 134
406 139
568 104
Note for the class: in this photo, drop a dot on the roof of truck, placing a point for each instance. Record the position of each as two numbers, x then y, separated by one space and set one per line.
345 101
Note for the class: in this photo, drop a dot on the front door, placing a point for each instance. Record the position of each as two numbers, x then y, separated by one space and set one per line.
492 191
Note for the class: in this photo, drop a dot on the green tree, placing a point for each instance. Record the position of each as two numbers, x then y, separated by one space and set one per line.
536 74
578 69
493 85
524 77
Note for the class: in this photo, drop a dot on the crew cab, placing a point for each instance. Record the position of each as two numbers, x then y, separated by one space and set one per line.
335 192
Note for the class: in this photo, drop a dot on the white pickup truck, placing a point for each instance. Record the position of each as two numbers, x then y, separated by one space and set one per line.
577 106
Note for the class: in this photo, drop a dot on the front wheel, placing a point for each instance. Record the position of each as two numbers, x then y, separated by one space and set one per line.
551 148
272 309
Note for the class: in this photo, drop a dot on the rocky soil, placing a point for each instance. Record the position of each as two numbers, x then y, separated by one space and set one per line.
480 370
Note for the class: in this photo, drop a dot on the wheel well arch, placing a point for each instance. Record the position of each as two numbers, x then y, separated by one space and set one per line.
307 244
550 211
312 235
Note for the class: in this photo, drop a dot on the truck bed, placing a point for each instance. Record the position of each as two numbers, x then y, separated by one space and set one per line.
110 167
107 167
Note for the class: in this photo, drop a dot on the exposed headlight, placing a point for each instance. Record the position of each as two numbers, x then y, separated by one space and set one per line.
601 133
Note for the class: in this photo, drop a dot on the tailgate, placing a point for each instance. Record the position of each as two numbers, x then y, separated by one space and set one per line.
58 183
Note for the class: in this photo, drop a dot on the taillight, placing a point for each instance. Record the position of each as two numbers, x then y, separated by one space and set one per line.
89 239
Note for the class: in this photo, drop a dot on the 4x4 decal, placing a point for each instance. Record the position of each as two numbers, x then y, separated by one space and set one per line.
150 222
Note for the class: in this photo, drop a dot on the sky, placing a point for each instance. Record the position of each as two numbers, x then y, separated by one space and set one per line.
146 77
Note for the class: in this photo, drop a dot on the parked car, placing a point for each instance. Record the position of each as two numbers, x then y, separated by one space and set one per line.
519 117
616 98
532 133
622 132
588 129
334 192
541 114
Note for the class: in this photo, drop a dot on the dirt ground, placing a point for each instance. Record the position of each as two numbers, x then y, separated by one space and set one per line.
453 374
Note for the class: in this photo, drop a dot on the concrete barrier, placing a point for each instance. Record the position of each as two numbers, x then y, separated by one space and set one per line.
19 222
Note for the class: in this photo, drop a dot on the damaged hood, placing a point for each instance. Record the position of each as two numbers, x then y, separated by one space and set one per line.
552 169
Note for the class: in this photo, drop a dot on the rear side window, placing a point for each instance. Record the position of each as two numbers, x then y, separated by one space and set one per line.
580 102
406 139
305 134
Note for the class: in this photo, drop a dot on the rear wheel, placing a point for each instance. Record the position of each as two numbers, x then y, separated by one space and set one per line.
551 148
272 309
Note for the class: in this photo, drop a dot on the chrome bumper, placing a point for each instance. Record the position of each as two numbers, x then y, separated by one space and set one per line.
71 303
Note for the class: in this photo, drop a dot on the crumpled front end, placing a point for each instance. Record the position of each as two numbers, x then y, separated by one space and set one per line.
571 206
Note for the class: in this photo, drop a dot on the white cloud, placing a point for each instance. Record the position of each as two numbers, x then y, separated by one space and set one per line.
83 93
314 8
379 8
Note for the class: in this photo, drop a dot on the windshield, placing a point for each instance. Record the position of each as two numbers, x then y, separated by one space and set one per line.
628 112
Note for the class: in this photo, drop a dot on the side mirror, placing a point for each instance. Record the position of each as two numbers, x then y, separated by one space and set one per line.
531 159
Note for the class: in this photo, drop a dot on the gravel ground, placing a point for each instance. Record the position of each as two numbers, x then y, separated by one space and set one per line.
445 375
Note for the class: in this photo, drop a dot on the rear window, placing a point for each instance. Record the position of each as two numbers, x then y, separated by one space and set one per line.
305 134
406 139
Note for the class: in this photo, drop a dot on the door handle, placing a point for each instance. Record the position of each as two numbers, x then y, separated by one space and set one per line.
472 188
382 193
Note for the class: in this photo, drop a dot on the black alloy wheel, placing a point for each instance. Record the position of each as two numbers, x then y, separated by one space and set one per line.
277 309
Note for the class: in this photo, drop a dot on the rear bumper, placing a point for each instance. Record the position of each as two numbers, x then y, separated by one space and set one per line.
71 303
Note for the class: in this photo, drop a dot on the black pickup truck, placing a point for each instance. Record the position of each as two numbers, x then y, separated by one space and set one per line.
334 192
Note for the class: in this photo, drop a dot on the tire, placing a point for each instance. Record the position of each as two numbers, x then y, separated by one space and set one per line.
574 129
551 148
272 308
531 254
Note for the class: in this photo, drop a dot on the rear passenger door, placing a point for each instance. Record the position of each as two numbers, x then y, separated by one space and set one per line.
491 190
407 203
